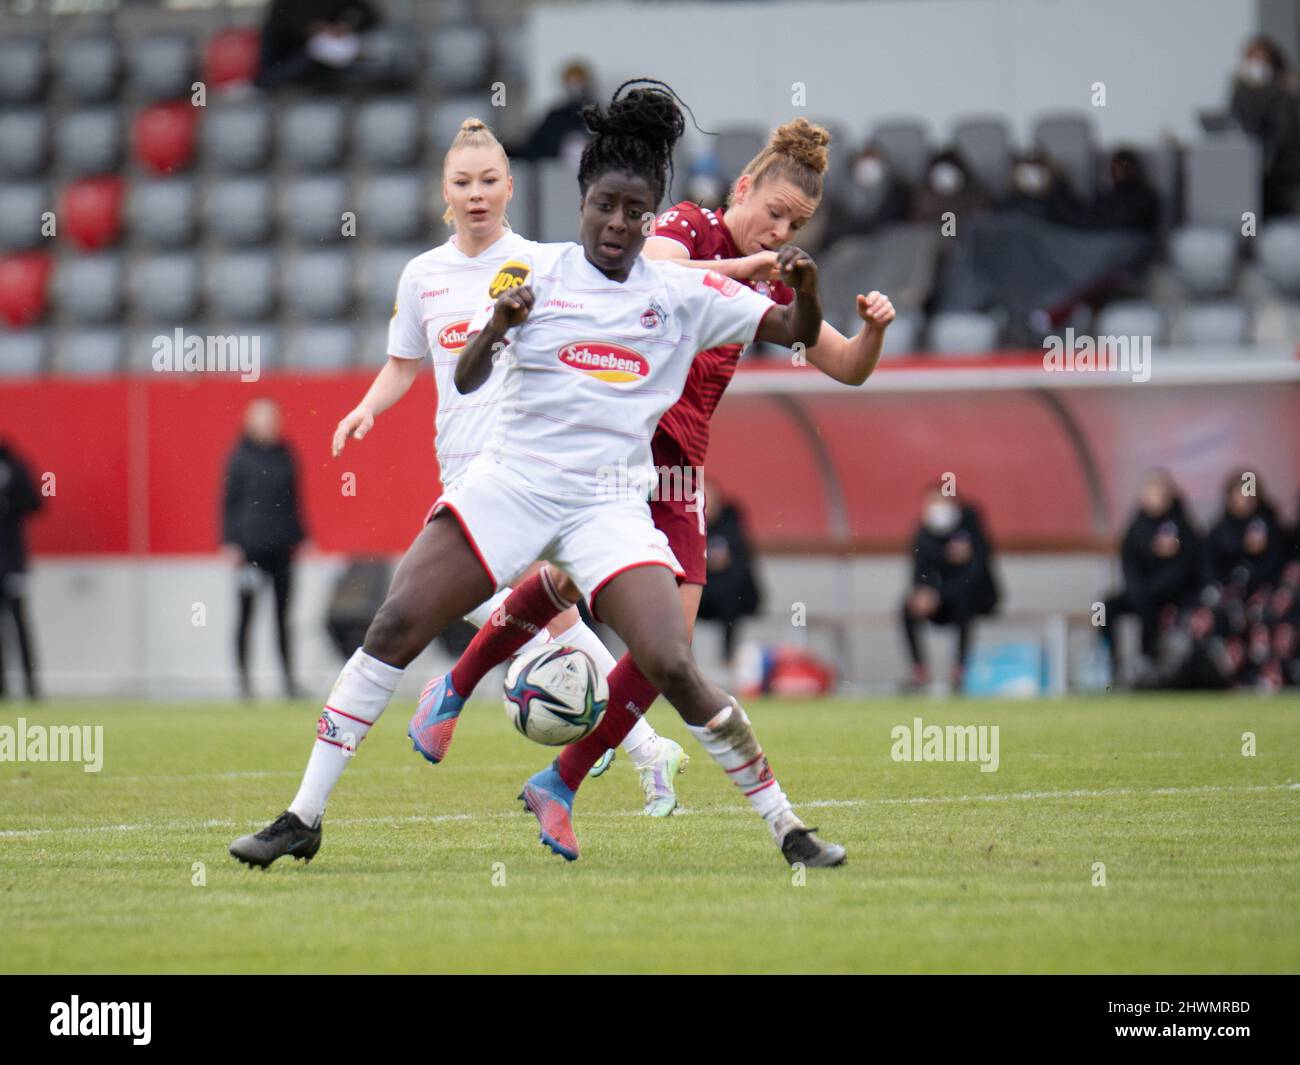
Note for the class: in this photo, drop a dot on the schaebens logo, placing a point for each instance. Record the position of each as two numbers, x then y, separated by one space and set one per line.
453 337
612 363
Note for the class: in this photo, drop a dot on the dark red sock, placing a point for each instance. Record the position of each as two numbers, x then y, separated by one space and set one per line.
527 610
630 696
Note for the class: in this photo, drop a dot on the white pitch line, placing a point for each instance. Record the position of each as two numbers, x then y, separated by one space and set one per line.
920 800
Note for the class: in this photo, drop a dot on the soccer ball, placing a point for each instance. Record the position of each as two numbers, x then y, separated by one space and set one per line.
555 694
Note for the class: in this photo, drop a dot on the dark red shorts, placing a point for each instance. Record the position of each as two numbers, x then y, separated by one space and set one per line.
678 512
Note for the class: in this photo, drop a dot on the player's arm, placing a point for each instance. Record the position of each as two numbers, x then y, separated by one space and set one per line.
852 360
801 321
390 384
758 267
474 366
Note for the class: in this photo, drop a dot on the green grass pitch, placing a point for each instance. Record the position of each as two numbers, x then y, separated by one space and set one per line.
439 869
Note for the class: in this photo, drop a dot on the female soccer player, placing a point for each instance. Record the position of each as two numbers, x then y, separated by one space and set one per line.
774 197
599 347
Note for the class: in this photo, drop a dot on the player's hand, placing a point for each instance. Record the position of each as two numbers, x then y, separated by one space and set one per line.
876 310
512 308
356 424
797 269
761 266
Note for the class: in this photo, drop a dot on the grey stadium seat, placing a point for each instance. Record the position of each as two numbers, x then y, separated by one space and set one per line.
240 210
394 207
389 133
459 56
162 66
23 69
1130 318
962 332
379 275
1205 258
313 133
237 137
23 352
90 141
24 142
312 208
165 287
89 67
1219 323
390 57
904 334
21 207
320 347
557 201
985 144
89 351
906 145
372 343
243 285
318 285
1068 141
735 146
445 117
1222 180
162 212
1278 252
89 288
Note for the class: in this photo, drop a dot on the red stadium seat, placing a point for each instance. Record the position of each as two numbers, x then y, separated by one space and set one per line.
163 136
24 285
91 211
233 58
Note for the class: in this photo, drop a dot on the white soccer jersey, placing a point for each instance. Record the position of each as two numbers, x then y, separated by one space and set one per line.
437 296
597 362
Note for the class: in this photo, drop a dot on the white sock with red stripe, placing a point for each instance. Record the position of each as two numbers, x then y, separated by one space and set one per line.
359 696
730 741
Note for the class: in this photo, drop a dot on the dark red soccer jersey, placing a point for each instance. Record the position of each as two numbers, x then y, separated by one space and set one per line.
705 236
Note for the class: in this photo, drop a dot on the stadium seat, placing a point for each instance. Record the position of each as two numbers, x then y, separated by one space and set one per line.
1217 323
372 343
557 183
321 348
237 136
313 133
1278 251
1204 258
89 67
23 70
445 117
512 52
394 207
165 287
90 213
163 136
1067 140
318 285
312 209
1129 318
389 133
459 56
89 141
906 144
21 207
162 66
962 333
1164 167
240 210
23 353
841 271
1221 181
233 57
904 334
24 142
379 275
24 287
985 144
89 288
263 339
390 57
163 211
243 285
89 351
735 146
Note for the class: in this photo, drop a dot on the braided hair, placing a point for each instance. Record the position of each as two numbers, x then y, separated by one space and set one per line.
635 134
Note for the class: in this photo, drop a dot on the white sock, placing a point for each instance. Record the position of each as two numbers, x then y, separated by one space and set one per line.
357 699
584 639
642 743
731 742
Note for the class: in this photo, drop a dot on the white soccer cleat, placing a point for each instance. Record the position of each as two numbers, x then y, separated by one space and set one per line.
657 778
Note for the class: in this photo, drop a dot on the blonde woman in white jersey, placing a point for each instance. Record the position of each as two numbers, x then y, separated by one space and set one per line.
438 294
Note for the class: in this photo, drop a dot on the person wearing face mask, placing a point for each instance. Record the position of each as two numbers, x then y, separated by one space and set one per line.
562 130
950 187
1264 105
952 581
873 197
1247 545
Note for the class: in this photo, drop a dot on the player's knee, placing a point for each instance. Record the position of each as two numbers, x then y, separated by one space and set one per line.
389 636
672 671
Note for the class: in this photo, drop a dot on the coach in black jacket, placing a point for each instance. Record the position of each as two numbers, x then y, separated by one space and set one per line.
18 500
261 527
1248 546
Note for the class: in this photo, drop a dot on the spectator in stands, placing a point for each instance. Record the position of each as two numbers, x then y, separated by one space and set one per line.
562 130
1163 561
1264 104
1130 203
952 579
731 593
19 499
1038 188
312 42
1248 545
950 188
262 527
873 197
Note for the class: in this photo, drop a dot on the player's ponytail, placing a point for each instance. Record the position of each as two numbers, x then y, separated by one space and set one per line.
635 133
796 152
473 133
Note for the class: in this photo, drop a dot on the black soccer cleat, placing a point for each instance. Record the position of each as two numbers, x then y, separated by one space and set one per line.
801 846
285 835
